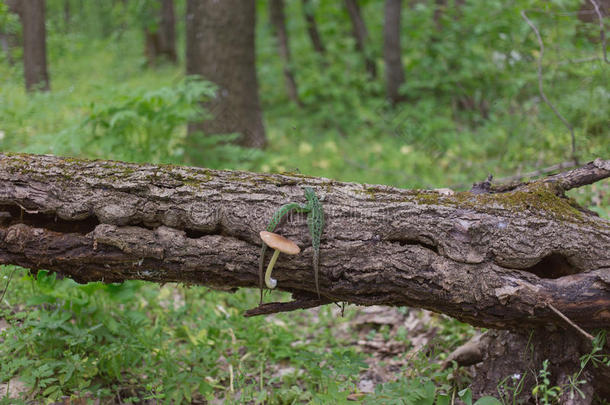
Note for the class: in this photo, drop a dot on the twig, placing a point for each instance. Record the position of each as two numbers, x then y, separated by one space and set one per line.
602 31
590 173
275 307
581 176
538 172
540 86
26 210
572 324
562 13
581 60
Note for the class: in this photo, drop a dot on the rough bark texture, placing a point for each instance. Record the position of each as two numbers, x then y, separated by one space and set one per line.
34 45
312 28
516 358
493 260
361 34
278 21
220 47
395 75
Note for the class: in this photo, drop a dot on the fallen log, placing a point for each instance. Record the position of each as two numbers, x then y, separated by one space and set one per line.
511 257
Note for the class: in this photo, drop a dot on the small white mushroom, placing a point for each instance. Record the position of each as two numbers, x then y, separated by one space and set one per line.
280 244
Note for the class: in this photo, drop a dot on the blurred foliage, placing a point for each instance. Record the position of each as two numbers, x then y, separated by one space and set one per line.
170 343
143 125
472 108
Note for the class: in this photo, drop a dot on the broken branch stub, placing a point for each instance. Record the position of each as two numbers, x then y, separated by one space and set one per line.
494 259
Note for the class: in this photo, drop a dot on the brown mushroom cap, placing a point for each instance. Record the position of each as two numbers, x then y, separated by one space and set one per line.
278 242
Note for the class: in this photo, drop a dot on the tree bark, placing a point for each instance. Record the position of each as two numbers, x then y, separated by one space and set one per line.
34 45
220 47
516 358
494 260
522 258
161 42
312 28
361 35
278 21
395 75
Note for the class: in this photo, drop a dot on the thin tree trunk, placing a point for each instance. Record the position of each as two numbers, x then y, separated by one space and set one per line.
360 34
439 10
161 42
395 75
278 21
220 47
67 15
167 30
34 45
7 41
312 27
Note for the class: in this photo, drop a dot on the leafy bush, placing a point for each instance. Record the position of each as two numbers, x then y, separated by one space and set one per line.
145 125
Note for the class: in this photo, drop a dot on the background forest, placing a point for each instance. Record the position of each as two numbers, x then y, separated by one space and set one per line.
469 104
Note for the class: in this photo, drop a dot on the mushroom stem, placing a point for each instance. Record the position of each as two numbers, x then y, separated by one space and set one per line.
271 282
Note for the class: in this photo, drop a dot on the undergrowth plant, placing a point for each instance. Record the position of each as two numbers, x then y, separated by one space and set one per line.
170 344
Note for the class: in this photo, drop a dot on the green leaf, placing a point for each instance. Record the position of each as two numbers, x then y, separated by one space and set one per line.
443 399
466 396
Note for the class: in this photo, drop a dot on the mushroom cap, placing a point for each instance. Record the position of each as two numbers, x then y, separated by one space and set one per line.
278 242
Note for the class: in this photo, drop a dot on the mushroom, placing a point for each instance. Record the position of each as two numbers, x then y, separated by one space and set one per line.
280 244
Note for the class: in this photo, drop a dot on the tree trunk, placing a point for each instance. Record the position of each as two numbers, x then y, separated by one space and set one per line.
6 49
360 35
312 28
161 42
278 21
520 257
34 45
167 30
587 12
508 359
67 15
8 40
441 8
220 47
395 75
